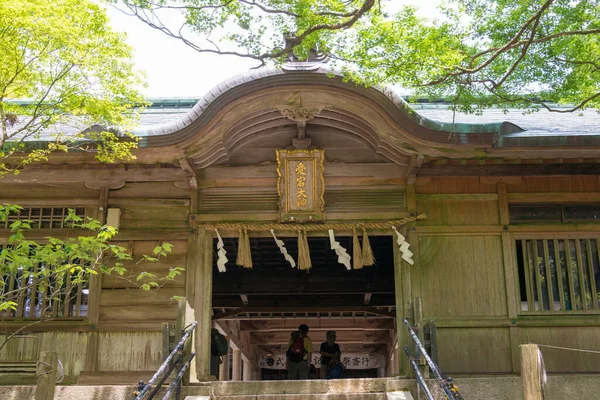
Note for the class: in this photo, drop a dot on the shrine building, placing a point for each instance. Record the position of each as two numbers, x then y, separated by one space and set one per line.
292 197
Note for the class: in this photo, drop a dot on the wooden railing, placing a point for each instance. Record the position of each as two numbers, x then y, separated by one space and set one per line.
559 275
40 298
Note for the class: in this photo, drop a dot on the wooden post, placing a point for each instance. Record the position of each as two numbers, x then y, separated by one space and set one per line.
510 274
199 298
224 367
530 372
46 376
418 316
236 373
95 291
247 375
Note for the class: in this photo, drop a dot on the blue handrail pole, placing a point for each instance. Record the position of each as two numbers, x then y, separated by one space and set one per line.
434 368
420 379
165 365
175 383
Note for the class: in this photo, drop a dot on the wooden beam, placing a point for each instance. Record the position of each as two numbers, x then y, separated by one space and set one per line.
243 310
124 234
414 165
96 177
317 324
554 197
428 170
458 197
191 171
459 230
343 337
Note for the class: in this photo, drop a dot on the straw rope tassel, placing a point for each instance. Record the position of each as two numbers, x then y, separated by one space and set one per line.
356 251
304 262
244 257
368 258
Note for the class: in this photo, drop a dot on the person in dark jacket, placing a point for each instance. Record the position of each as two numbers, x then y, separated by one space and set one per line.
330 353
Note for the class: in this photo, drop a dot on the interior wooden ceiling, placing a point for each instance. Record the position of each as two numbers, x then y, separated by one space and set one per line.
272 283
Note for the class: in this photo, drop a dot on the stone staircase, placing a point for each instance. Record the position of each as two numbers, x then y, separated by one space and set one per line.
343 389
559 387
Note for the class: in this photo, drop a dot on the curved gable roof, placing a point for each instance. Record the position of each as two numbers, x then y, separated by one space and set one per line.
255 80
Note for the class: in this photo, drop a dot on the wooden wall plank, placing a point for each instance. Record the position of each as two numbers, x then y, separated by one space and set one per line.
462 276
468 350
137 297
560 361
132 314
129 351
458 212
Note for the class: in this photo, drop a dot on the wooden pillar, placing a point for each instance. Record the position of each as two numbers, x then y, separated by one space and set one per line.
402 289
510 275
236 372
46 376
247 375
199 296
530 372
224 367
95 290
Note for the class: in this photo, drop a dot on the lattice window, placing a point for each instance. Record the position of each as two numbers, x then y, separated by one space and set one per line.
554 213
559 275
44 217
43 297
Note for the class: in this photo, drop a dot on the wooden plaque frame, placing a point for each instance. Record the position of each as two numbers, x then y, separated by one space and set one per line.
300 185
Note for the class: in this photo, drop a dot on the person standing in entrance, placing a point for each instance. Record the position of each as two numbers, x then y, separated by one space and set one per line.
298 354
330 353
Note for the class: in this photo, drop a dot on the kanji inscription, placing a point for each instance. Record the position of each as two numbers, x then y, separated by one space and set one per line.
300 185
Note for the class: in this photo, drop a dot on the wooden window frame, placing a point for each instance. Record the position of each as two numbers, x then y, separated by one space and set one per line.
533 284
562 206
45 217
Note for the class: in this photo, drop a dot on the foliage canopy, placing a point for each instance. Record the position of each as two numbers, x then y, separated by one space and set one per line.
515 53
73 72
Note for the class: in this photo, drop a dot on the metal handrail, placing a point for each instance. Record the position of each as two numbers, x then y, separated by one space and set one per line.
445 383
166 368
175 384
420 378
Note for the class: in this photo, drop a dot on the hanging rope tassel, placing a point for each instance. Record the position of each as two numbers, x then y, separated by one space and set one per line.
304 262
357 260
244 257
368 258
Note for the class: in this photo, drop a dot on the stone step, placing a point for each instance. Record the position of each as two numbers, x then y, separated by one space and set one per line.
338 396
338 386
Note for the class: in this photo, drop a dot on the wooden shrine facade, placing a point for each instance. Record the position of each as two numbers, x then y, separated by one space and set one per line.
508 252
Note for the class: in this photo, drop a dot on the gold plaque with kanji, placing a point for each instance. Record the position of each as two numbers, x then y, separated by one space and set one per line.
300 185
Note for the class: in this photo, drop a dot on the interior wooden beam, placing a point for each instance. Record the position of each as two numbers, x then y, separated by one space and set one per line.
317 324
243 310
343 337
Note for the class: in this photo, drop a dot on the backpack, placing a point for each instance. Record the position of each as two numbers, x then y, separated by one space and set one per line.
220 343
296 351
335 371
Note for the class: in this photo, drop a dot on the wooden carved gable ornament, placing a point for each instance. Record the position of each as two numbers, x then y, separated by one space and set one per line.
300 185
